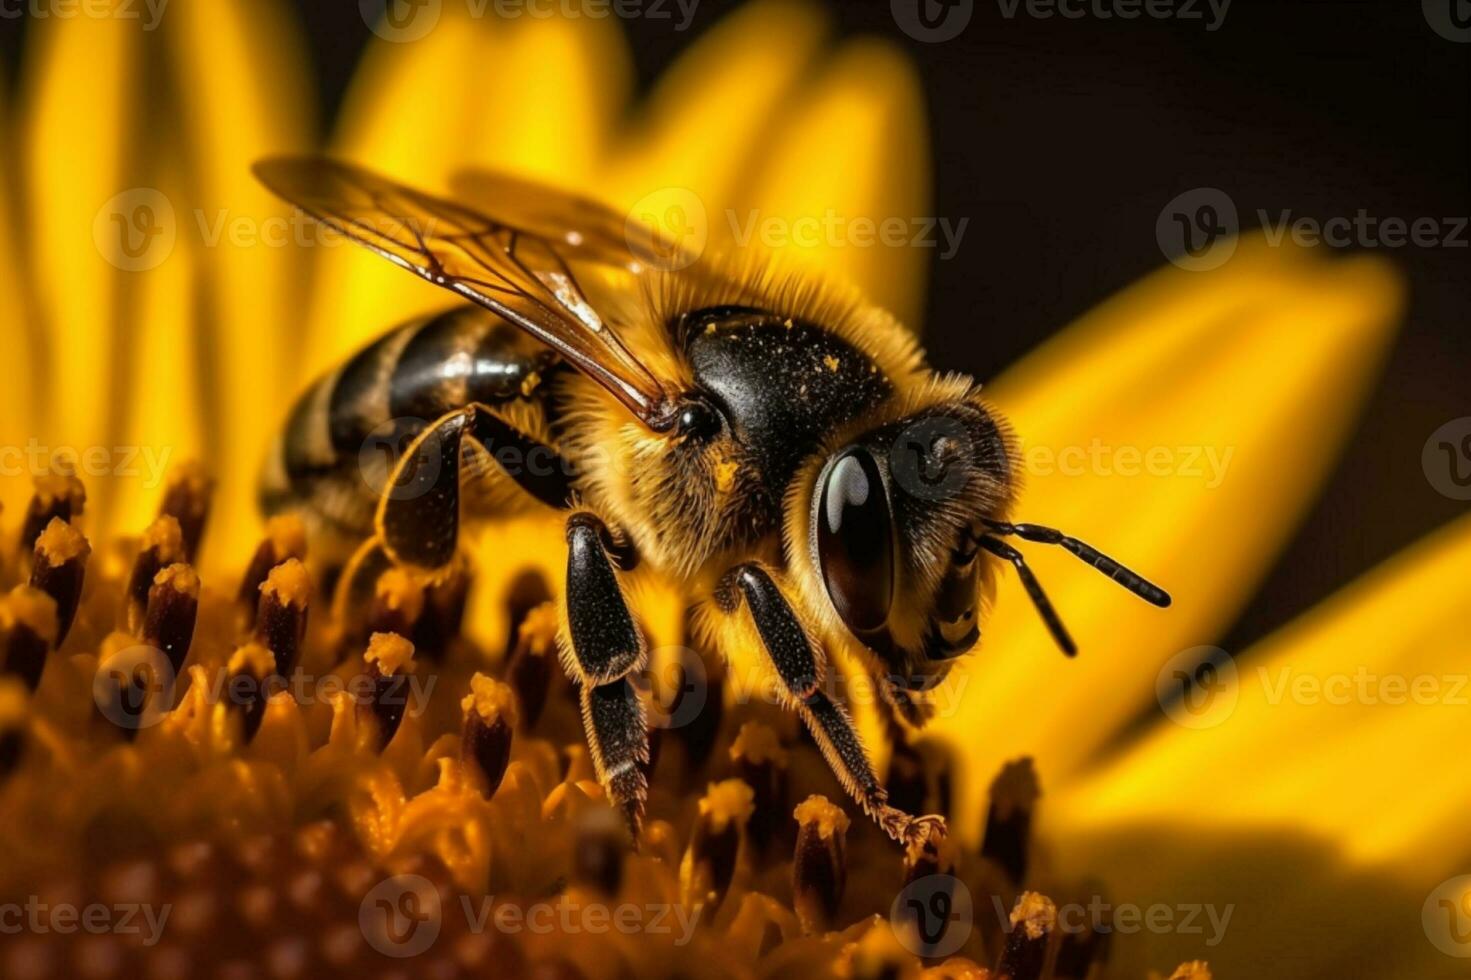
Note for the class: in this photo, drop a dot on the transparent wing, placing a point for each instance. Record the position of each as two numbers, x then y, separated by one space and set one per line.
584 228
518 273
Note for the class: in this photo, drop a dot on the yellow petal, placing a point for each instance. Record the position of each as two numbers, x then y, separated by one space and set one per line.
408 114
161 403
1183 427
1332 781
551 100
1319 724
76 138
243 94
844 180
18 342
708 120
535 96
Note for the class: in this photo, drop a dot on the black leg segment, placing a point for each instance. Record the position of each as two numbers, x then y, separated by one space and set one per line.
791 650
801 664
419 512
613 719
604 640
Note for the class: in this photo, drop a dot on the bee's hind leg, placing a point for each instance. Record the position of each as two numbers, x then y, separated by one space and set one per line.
801 665
601 647
418 524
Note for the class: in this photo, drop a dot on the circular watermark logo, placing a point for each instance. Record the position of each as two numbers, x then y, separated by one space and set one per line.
1198 687
1197 230
135 230
400 21
674 686
668 228
134 688
933 915
1446 459
401 916
931 458
932 21
1451 19
385 445
1446 917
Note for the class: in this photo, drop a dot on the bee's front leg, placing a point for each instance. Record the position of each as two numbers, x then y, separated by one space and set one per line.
601 646
801 665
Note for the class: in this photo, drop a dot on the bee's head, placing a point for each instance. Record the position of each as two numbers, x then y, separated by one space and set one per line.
892 533
906 522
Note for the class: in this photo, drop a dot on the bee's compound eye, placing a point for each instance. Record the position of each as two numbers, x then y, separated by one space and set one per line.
855 541
698 421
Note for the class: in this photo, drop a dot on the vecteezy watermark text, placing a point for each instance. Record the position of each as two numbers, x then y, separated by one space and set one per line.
1201 687
836 230
148 12
1102 917
1199 228
402 21
1211 12
36 916
37 459
402 916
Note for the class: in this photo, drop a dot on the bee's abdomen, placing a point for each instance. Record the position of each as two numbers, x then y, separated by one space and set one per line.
344 431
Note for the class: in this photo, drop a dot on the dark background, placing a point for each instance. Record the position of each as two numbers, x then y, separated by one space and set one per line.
1061 140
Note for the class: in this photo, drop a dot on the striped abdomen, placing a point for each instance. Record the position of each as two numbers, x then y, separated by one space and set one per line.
336 452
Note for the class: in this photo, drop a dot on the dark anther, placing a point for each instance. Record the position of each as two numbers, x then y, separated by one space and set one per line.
390 660
758 759
820 863
710 861
1033 921
1008 836
57 495
187 501
162 545
598 849
280 619
28 619
490 719
58 568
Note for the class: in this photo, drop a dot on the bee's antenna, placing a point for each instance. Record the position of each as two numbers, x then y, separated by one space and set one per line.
1034 589
1132 581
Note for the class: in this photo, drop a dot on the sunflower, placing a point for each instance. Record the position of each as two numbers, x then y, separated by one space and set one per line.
1157 801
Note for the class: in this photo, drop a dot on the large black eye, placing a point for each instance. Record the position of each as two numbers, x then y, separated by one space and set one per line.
855 541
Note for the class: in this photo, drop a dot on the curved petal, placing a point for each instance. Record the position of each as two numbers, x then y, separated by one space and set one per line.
1128 447
845 181
78 146
19 346
242 94
1338 752
406 114
552 100
534 96
706 122
161 406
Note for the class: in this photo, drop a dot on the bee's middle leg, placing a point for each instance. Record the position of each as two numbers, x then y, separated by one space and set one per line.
801 666
601 647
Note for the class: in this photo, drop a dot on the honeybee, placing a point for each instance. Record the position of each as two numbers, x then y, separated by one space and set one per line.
778 447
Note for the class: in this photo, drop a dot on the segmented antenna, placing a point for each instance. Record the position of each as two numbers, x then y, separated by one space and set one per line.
1130 580
1134 582
1044 606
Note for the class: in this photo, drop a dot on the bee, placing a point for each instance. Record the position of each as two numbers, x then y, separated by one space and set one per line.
776 446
